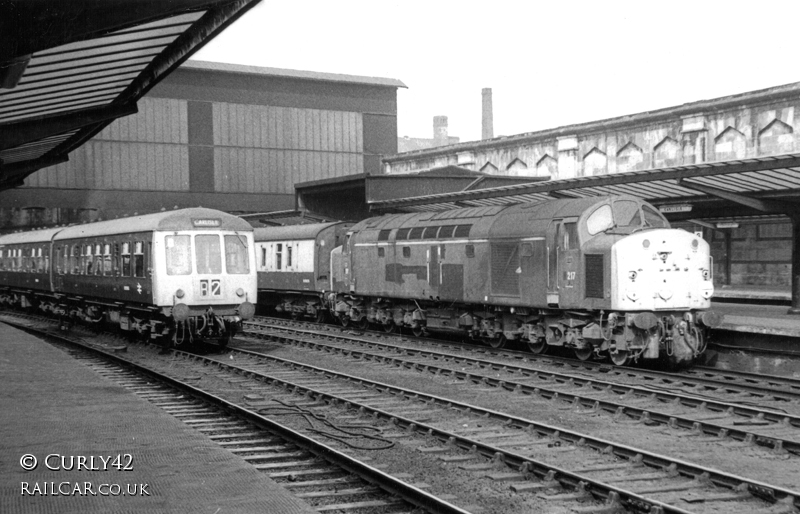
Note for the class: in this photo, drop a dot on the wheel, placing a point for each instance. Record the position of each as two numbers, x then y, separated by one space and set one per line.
621 357
497 342
322 316
363 323
584 353
417 331
539 347
389 327
344 320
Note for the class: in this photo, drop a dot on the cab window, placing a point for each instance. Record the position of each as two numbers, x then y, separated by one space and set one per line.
626 214
179 255
236 261
208 254
601 219
652 218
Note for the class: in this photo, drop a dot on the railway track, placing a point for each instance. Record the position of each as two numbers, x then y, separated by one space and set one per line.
557 464
773 428
326 478
698 379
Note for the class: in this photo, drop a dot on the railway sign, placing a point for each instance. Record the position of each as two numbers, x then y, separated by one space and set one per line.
675 208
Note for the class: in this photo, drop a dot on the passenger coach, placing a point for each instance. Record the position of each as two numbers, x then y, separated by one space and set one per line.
188 274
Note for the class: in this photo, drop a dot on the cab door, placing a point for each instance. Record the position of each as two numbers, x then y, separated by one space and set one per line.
553 292
568 263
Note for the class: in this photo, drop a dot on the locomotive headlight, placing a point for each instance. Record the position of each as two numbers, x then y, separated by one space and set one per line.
240 292
646 243
179 293
632 275
695 244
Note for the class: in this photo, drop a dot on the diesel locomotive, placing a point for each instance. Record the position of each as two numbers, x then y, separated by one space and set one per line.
180 276
602 276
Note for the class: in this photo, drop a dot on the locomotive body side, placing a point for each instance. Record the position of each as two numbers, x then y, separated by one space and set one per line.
547 274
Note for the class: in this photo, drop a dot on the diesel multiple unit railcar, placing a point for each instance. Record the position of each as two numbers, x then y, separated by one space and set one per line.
181 275
601 275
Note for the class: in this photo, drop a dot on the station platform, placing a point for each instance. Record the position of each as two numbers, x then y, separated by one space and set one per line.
51 404
755 318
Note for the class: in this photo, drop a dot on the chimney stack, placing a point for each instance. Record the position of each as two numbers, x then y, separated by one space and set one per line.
487 126
440 130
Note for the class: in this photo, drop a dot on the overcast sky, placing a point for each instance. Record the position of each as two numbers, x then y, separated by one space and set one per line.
548 63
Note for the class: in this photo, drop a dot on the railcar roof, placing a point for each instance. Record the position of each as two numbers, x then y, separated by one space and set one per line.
33 236
291 232
182 219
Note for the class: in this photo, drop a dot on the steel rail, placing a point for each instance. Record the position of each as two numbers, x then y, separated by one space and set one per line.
390 484
521 462
644 415
685 378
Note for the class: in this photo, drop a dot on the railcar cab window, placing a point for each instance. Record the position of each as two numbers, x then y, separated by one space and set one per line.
179 254
601 220
208 254
623 217
236 261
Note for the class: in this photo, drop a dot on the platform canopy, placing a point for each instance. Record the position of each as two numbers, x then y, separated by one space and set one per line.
762 185
68 68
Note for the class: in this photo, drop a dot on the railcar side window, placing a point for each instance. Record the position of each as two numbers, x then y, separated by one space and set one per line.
626 214
74 260
179 255
381 251
288 256
601 219
39 261
208 254
263 256
86 263
278 255
469 250
126 259
98 259
406 251
138 259
236 261
107 271
653 218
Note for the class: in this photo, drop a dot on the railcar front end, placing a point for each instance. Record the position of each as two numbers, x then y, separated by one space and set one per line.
205 281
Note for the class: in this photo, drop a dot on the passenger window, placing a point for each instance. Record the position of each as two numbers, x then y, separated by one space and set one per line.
288 256
263 256
207 254
107 271
98 259
87 260
138 259
74 260
236 261
278 255
179 255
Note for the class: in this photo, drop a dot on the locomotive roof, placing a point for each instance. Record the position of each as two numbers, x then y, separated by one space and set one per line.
182 219
291 232
556 208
